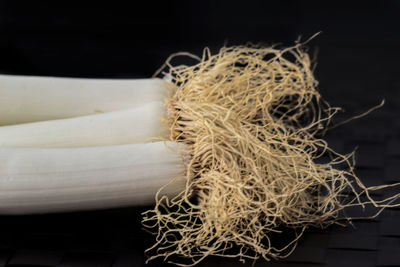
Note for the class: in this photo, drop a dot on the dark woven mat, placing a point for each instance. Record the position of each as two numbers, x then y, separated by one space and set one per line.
357 67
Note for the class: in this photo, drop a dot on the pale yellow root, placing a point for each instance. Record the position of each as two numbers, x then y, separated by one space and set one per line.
252 117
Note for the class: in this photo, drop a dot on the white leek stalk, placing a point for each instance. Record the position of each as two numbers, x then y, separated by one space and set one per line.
137 125
85 146
36 180
28 98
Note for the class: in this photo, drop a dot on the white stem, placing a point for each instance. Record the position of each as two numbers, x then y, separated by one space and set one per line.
137 125
71 179
29 98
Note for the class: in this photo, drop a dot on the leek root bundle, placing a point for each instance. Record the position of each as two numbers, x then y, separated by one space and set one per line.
233 151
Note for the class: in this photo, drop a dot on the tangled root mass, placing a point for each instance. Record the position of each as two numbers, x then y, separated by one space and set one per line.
253 120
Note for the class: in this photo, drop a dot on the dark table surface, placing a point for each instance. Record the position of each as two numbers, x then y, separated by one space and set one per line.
358 65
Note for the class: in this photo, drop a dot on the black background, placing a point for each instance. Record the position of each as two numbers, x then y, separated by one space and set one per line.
358 65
